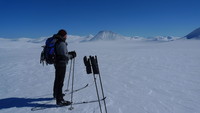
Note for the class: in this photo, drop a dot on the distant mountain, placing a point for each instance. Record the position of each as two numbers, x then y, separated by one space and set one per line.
107 35
137 38
70 39
38 40
87 38
164 38
194 34
74 38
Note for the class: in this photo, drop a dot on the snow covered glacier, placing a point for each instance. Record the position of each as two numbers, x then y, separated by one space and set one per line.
139 76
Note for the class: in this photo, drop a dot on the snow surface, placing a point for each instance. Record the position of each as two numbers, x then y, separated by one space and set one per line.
138 77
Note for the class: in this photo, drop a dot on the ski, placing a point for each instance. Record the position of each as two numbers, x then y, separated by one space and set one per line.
77 89
47 105
87 102
41 106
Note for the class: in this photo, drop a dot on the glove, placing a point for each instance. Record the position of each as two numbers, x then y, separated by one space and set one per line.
72 53
87 65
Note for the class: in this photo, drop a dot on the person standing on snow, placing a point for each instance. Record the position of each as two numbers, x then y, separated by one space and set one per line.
62 58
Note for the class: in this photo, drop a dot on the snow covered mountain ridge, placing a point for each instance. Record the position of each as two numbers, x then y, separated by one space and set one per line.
106 35
100 36
194 34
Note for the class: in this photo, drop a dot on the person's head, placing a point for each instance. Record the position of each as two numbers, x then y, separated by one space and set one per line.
62 33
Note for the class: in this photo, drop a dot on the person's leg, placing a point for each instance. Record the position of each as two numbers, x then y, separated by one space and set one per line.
56 81
60 82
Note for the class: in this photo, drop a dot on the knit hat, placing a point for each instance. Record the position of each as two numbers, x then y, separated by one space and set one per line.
62 32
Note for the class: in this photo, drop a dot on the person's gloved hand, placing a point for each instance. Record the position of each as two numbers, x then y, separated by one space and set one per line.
72 53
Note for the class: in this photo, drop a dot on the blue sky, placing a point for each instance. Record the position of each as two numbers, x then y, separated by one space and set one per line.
40 18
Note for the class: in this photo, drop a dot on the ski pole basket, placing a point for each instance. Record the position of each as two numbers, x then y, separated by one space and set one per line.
92 67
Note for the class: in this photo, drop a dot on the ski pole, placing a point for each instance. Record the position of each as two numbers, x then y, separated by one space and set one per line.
97 93
93 64
72 84
69 76
101 86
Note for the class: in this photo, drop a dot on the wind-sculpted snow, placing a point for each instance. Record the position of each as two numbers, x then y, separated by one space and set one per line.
138 77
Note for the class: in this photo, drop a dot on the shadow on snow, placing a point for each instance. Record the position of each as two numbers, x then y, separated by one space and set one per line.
24 102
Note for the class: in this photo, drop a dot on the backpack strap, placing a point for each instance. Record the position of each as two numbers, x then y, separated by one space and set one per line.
55 46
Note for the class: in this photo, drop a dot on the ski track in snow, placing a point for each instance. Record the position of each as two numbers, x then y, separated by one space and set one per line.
138 77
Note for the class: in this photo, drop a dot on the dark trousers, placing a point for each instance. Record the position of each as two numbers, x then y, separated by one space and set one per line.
58 83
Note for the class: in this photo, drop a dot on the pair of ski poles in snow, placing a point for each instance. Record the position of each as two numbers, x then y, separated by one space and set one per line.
71 72
91 64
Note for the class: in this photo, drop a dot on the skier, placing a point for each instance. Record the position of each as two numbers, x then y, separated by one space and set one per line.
62 58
